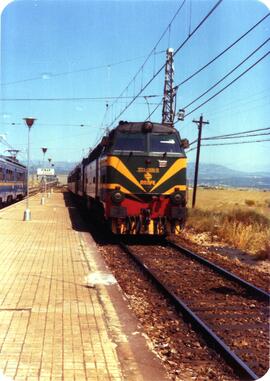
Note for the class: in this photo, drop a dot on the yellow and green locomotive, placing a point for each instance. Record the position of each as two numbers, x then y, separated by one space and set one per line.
135 179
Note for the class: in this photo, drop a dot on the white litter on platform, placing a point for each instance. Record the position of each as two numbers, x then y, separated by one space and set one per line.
100 278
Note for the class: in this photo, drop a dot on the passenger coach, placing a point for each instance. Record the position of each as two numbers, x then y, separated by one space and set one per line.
12 180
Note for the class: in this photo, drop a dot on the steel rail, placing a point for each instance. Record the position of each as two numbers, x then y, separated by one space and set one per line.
225 273
240 367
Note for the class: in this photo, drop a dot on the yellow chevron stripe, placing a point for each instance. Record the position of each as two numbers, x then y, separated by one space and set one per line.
113 186
172 190
122 189
176 167
116 163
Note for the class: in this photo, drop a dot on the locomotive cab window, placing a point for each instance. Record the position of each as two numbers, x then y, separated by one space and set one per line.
129 142
164 143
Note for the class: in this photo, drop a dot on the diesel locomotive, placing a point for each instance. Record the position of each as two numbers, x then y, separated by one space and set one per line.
135 179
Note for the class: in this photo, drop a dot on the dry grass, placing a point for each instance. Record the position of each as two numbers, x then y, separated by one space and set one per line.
250 202
227 199
245 226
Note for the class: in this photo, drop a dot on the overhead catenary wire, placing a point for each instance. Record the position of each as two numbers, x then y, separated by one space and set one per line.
71 98
226 75
151 52
238 133
218 82
233 143
236 104
163 66
214 59
47 76
53 124
234 135
230 143
229 84
221 53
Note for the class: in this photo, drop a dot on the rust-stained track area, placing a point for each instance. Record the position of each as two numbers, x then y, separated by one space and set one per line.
236 317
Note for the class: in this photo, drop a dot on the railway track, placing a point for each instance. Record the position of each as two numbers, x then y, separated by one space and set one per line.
229 312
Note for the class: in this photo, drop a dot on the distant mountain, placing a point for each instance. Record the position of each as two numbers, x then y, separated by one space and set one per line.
209 175
219 175
61 167
209 171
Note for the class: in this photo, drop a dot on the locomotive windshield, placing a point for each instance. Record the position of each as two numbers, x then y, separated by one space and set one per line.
130 142
146 142
164 143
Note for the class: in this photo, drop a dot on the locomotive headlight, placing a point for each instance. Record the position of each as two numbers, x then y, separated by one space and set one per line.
117 197
176 198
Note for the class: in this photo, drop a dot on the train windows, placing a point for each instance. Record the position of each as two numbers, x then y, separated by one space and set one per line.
130 142
164 143
9 175
20 176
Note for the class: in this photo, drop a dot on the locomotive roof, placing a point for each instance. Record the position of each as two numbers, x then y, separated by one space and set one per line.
11 160
137 127
124 126
76 169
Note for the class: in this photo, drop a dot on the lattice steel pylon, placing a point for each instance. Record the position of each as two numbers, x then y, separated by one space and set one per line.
168 109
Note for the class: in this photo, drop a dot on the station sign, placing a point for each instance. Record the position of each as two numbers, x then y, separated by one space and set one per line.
45 172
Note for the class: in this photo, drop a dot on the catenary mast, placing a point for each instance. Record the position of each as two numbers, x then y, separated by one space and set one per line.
168 109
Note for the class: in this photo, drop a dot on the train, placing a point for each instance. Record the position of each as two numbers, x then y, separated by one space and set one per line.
13 180
135 179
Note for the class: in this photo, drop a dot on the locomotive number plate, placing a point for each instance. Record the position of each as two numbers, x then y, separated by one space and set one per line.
149 170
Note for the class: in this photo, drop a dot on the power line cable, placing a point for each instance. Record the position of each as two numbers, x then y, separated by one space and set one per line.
232 134
232 137
221 53
53 124
71 99
239 104
229 84
226 75
155 109
162 67
151 52
231 143
237 134
49 76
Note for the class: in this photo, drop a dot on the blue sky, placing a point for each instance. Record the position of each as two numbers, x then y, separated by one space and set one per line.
87 49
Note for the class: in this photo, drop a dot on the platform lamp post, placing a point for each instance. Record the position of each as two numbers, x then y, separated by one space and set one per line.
54 176
27 213
49 186
44 150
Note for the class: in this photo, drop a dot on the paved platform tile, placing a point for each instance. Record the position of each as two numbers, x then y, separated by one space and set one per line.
52 325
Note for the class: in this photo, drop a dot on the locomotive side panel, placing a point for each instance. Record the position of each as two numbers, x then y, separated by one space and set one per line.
90 179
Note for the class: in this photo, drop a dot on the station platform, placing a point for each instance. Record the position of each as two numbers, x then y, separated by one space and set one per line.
62 314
